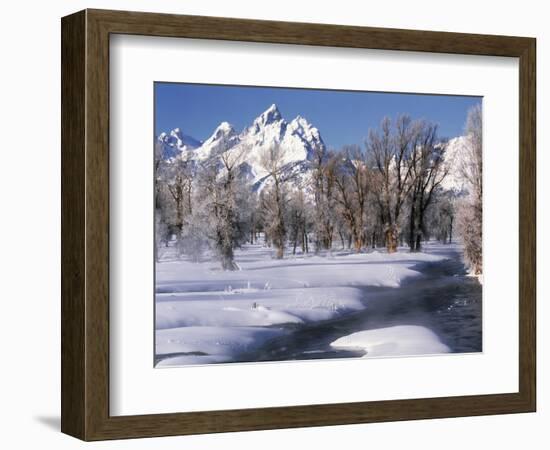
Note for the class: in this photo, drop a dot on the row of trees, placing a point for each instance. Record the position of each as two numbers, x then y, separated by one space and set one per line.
387 193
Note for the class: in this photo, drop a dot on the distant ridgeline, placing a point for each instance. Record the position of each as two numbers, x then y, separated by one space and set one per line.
299 140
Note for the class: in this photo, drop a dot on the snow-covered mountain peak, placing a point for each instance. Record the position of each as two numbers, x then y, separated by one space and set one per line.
224 129
269 116
224 132
300 121
306 130
176 142
223 138
176 132
297 141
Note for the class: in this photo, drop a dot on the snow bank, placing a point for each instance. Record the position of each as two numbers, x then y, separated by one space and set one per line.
186 360
203 345
249 307
393 341
259 271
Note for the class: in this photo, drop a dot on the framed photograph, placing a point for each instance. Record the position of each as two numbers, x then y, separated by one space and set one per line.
273 225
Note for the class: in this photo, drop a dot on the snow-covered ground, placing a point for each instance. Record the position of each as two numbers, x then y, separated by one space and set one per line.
206 315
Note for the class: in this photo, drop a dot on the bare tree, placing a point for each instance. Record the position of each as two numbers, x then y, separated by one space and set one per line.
254 218
428 172
178 181
360 180
352 186
161 228
297 220
173 195
442 217
323 181
470 212
390 148
471 166
274 200
346 202
223 195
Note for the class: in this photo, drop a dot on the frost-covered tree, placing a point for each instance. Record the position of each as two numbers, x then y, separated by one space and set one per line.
441 218
177 180
173 192
223 197
471 166
323 186
162 234
361 179
161 225
470 210
352 181
297 219
274 198
255 222
346 203
193 240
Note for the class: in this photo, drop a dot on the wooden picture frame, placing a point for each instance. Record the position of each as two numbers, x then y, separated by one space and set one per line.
85 224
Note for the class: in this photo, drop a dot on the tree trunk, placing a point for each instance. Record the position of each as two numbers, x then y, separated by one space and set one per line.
391 239
419 226
412 226
342 240
228 263
418 243
227 258
179 216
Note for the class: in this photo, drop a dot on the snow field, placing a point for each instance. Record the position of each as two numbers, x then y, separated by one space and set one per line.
206 315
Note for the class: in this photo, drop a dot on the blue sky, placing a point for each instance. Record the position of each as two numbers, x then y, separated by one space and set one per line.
342 117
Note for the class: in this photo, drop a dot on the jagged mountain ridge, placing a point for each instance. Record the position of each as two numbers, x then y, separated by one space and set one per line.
176 143
297 140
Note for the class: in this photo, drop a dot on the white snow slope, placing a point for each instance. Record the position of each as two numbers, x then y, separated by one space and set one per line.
454 160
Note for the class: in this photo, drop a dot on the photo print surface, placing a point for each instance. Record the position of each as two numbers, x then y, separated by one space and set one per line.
298 224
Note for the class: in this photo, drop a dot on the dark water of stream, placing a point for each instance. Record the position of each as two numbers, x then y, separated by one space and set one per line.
443 299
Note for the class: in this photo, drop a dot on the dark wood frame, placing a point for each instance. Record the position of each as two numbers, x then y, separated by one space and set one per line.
85 224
